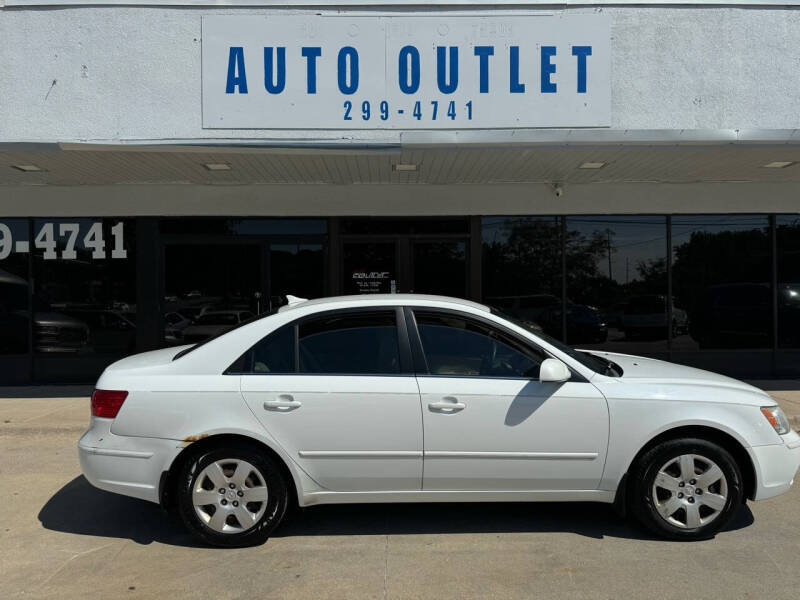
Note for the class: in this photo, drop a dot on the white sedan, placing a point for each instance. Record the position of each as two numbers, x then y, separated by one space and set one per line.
409 398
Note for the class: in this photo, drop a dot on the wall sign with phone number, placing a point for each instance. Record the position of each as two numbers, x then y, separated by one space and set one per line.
63 240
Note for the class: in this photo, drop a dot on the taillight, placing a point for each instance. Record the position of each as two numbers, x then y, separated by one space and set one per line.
106 403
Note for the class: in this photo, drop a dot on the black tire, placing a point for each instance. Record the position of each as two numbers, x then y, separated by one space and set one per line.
643 475
268 470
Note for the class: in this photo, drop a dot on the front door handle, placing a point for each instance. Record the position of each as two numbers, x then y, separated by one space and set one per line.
285 402
447 406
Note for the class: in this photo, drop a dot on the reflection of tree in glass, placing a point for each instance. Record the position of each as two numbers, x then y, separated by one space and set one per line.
524 258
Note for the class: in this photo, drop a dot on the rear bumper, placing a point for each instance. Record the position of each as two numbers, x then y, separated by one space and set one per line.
131 466
776 466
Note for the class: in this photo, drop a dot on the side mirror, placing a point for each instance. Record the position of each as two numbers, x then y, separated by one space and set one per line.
553 370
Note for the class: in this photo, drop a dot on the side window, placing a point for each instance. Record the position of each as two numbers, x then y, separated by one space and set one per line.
273 354
454 345
355 343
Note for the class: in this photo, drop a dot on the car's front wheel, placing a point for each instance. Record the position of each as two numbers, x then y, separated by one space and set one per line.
686 489
232 496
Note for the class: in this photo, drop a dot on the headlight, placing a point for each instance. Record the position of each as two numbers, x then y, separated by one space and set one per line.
776 418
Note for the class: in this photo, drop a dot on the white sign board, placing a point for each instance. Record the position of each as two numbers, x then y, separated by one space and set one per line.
378 72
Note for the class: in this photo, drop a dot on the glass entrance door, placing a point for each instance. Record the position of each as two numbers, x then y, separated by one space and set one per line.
406 264
370 267
439 267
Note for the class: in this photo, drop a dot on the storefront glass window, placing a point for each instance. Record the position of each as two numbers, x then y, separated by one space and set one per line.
84 298
788 240
14 310
721 277
522 268
209 288
617 284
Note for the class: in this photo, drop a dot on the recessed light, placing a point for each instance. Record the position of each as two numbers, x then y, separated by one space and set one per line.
404 167
593 165
778 164
27 168
217 166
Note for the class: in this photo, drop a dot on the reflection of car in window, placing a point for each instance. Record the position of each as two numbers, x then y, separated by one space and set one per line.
584 324
174 324
646 316
213 323
110 331
52 331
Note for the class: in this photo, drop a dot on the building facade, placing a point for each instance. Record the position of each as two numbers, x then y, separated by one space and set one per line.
624 175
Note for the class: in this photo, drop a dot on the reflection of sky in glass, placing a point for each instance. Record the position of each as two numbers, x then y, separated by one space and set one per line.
633 240
684 226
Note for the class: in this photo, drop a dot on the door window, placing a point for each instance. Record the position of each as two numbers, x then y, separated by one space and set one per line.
461 347
354 343
273 354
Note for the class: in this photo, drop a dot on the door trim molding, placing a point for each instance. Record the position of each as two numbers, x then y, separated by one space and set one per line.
516 455
359 454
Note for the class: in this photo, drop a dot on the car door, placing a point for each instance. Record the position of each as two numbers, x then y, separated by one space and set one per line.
489 423
337 391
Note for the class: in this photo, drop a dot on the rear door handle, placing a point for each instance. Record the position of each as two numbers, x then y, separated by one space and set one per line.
285 402
445 406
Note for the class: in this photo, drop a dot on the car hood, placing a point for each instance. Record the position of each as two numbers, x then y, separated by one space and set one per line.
639 369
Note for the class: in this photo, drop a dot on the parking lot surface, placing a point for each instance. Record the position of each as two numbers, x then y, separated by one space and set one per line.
60 537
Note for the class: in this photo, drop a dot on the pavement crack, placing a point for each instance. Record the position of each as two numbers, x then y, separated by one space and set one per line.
70 559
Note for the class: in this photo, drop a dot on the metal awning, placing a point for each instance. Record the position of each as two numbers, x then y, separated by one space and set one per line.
677 162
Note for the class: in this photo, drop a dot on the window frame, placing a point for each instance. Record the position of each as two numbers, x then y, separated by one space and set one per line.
404 347
421 364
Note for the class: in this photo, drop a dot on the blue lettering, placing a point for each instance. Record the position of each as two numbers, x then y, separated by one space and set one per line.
515 87
311 54
483 53
408 86
344 53
581 52
548 68
236 74
441 69
274 87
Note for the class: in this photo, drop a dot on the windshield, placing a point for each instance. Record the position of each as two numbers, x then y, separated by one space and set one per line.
595 363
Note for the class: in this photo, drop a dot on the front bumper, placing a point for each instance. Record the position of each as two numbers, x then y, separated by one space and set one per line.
776 466
131 466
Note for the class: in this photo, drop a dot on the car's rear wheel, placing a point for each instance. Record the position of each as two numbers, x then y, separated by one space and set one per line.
686 489
231 496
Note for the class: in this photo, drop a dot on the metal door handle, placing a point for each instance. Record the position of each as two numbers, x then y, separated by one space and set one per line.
447 406
284 402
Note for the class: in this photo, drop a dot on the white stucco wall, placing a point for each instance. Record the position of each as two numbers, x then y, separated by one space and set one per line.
133 74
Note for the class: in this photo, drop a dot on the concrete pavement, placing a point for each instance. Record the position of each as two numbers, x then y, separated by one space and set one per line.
61 537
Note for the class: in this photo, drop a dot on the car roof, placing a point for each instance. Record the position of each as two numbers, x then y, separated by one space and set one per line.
374 299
